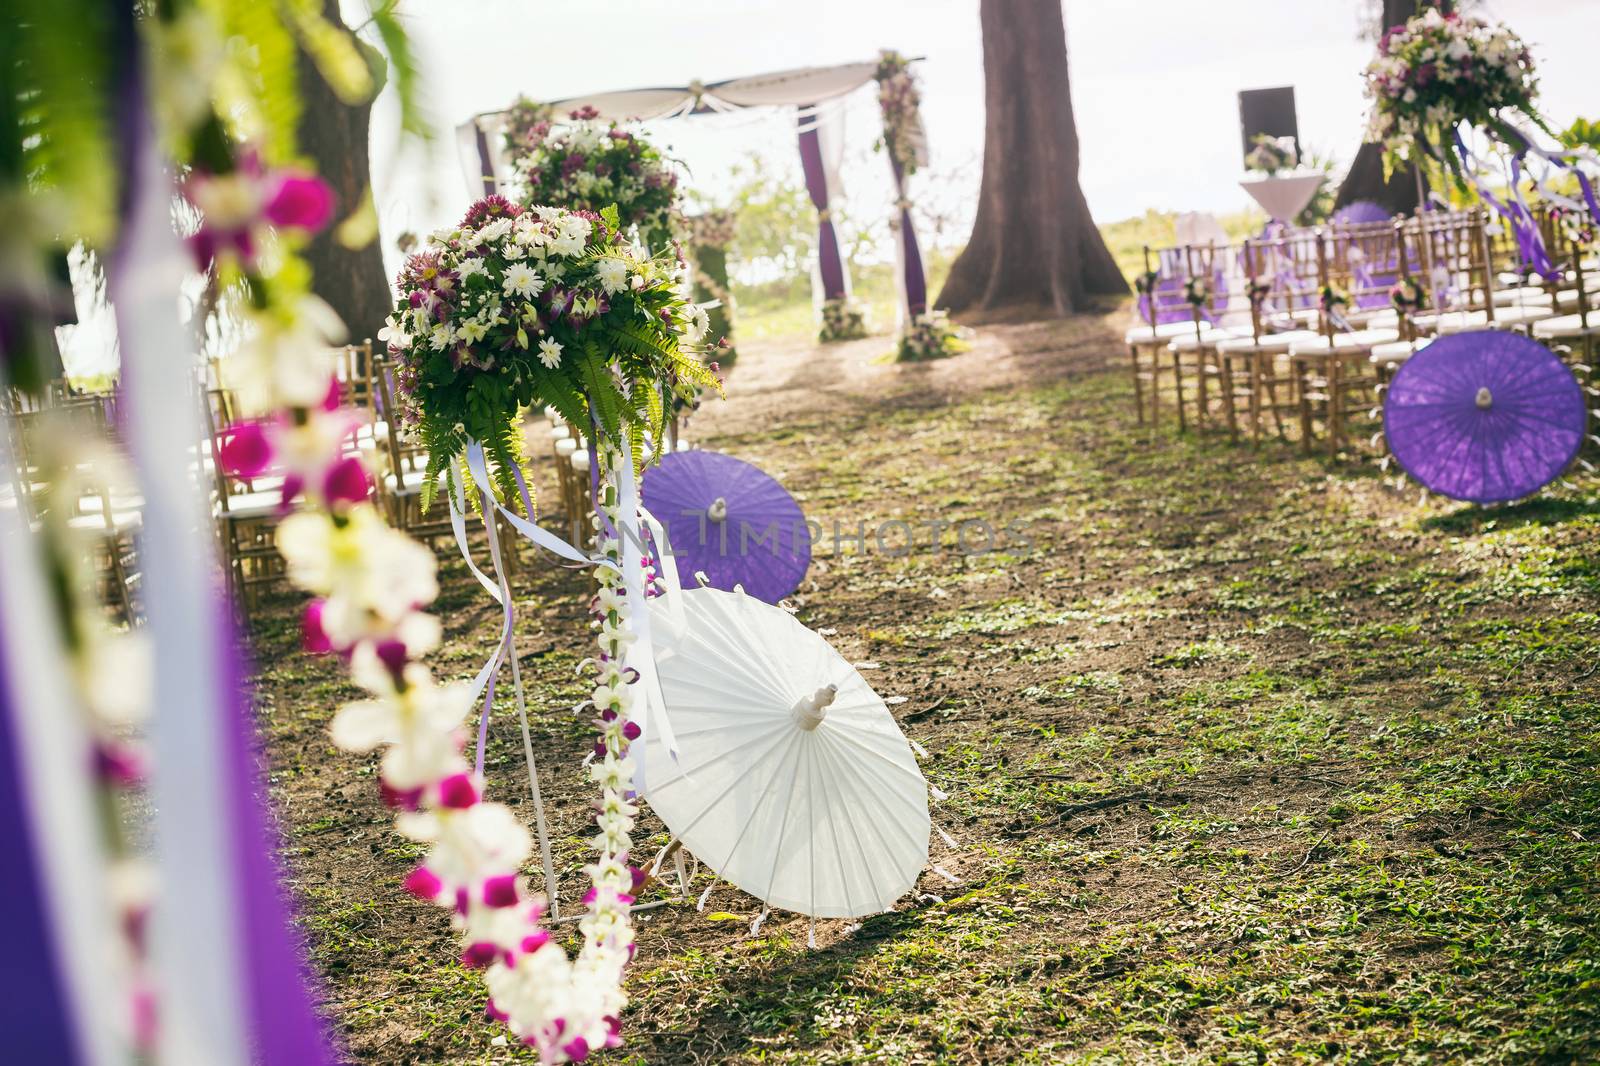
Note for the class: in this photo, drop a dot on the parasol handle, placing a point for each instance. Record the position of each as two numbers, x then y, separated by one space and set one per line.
1484 399
809 712
718 511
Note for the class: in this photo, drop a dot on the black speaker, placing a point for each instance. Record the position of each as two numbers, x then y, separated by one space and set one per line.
1269 111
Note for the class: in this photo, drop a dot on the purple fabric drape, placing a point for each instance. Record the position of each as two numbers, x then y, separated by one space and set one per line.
830 264
485 159
916 281
285 1029
34 1014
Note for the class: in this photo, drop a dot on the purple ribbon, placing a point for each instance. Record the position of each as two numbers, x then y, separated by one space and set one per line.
34 1013
285 1029
916 280
830 263
1531 250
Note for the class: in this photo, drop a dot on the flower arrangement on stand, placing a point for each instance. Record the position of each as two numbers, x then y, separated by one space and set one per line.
538 307
583 164
931 335
1439 71
1271 155
711 237
842 320
549 308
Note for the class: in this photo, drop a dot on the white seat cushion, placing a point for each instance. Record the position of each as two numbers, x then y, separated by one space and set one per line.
1351 343
1568 326
1208 338
1396 352
409 484
250 505
1521 295
1452 322
1269 344
95 522
1512 317
1143 334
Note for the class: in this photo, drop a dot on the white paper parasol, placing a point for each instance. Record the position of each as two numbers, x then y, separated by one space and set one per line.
792 779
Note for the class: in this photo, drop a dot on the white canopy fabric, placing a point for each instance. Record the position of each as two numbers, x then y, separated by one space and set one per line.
785 88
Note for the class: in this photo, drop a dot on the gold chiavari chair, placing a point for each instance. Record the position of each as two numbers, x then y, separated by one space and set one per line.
244 512
1194 352
1271 301
1163 316
1335 364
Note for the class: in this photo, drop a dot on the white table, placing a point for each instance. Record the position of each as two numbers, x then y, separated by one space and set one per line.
1285 196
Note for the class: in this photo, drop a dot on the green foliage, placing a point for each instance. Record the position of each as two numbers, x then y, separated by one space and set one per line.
403 70
1583 133
258 90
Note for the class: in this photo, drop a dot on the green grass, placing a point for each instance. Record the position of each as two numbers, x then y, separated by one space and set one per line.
1251 759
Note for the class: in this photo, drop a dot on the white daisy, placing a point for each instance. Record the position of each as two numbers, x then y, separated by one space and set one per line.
521 280
550 353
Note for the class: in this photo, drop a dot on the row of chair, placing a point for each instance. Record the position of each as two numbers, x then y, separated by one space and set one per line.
1299 329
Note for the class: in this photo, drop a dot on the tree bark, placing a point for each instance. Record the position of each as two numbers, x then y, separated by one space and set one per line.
1033 242
1364 180
334 136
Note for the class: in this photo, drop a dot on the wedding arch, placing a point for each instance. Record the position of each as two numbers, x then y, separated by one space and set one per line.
805 89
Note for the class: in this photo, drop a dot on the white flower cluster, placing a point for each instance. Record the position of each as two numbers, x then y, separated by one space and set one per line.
569 1007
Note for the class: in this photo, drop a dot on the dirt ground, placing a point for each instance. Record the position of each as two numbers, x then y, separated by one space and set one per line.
1250 757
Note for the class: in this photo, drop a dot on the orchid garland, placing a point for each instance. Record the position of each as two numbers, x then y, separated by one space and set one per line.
372 584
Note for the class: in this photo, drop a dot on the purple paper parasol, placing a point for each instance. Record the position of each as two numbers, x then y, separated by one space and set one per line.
1360 212
729 520
1486 416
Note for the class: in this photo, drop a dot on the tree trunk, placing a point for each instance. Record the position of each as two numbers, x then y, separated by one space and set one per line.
333 135
1364 180
1033 243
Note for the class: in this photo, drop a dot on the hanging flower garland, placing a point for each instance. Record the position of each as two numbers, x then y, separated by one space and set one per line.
584 164
711 236
900 102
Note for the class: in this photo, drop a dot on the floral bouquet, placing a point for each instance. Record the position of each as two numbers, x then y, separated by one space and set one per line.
1332 298
842 320
1144 284
1438 71
931 335
902 121
1407 296
1197 291
712 229
1258 289
584 164
1271 155
1573 225
517 308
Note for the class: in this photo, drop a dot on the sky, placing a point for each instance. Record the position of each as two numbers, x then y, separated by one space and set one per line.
1154 84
